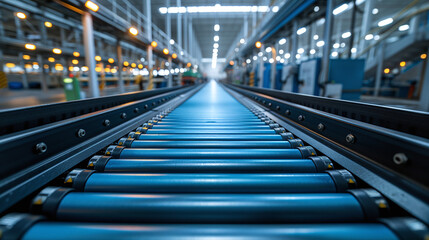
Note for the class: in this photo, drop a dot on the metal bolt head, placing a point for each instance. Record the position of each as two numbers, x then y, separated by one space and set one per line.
277 108
350 138
287 112
263 101
41 147
106 122
81 132
146 106
400 158
123 115
269 104
136 110
301 118
321 127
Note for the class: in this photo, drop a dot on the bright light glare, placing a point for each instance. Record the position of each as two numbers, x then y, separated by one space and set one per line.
242 41
369 37
320 43
281 51
340 9
275 9
216 38
216 27
316 37
268 49
385 22
287 55
216 45
300 50
312 51
334 54
215 9
282 41
374 11
346 35
404 27
336 45
301 31
255 58
172 41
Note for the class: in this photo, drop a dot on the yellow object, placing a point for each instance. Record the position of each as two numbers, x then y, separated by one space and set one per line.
84 68
75 61
92 6
38 201
30 46
51 59
76 54
20 15
154 44
386 70
133 31
351 181
111 60
174 56
113 70
3 80
165 51
252 79
48 24
231 63
140 66
150 84
188 64
91 164
258 44
98 69
382 205
402 64
97 58
126 64
10 65
57 51
133 65
423 56
28 66
69 180
26 57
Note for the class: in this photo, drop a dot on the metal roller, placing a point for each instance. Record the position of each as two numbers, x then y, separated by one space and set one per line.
196 153
212 137
332 181
191 126
211 131
311 165
356 206
197 124
127 142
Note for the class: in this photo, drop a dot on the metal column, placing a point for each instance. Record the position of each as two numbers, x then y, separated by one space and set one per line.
379 73
168 26
170 75
261 68
120 63
179 26
273 66
294 43
366 23
24 75
149 48
43 81
424 96
324 73
88 41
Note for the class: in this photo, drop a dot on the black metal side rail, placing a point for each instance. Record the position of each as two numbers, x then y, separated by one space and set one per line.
19 119
407 121
398 158
38 155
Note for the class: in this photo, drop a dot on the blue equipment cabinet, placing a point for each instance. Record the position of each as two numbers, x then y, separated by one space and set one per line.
346 75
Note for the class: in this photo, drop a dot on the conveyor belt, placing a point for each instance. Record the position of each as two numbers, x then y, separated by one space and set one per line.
208 169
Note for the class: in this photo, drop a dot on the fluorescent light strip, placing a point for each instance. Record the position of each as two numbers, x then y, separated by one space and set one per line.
214 9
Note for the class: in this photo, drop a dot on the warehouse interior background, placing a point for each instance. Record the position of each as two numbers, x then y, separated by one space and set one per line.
373 51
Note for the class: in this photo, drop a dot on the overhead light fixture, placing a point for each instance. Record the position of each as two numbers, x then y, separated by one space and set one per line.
369 36
174 56
126 64
312 51
343 7
316 37
255 58
282 41
334 54
165 51
231 63
354 50
172 41
268 49
300 50
336 45
57 51
48 24
216 45
275 9
216 38
154 44
133 65
316 9
92 6
215 9
26 57
404 27
287 55
301 31
20 15
75 61
320 43
97 58
258 44
346 35
51 59
111 60
402 64
76 54
374 11
281 51
260 54
385 22
242 41
216 27
133 31
30 46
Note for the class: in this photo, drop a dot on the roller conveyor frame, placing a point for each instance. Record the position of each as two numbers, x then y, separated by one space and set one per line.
379 175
